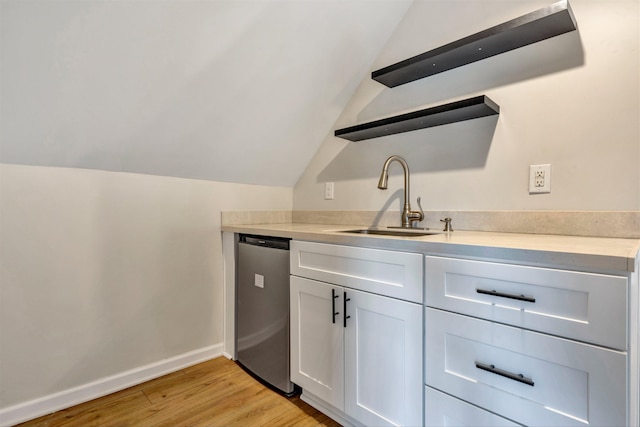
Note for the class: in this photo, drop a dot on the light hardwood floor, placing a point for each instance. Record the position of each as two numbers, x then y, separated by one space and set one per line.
213 393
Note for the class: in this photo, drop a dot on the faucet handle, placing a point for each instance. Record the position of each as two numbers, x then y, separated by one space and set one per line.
416 216
421 211
409 217
447 224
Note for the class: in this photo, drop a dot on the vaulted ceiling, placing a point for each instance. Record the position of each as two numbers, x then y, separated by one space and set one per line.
225 90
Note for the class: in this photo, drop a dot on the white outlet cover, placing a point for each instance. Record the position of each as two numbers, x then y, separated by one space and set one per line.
540 179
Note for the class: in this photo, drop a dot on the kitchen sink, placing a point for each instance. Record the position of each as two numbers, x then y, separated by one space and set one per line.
413 232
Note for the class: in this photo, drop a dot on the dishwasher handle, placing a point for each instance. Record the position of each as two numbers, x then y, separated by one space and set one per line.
265 241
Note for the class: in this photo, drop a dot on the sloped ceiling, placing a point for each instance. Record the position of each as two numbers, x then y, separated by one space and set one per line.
224 90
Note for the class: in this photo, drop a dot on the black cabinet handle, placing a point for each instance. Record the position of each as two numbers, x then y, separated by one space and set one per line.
334 313
516 377
345 309
506 295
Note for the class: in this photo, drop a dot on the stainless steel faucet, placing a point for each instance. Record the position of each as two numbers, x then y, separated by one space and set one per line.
408 216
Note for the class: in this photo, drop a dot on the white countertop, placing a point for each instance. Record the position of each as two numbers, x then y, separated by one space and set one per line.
588 253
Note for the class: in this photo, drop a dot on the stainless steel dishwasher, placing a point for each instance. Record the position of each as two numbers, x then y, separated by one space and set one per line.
262 310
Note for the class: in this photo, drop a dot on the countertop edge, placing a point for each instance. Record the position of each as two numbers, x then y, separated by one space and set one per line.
591 253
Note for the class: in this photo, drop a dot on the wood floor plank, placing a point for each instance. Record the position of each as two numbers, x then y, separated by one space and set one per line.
161 382
213 393
227 401
180 409
297 413
93 415
192 382
217 364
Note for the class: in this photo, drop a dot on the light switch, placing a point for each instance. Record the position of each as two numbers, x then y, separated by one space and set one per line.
259 281
328 190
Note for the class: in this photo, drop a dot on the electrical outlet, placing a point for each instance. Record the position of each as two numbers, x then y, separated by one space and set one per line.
540 178
328 190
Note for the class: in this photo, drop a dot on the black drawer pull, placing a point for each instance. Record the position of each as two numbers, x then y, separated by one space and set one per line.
506 295
333 305
516 377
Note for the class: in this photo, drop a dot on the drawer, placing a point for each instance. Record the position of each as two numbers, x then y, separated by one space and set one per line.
525 376
444 410
583 306
389 273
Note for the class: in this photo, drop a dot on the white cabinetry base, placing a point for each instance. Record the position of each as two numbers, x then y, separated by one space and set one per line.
328 410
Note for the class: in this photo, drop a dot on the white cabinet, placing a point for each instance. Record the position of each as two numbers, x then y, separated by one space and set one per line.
383 360
534 346
317 340
357 354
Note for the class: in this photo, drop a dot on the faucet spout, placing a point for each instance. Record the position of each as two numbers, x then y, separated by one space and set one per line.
408 216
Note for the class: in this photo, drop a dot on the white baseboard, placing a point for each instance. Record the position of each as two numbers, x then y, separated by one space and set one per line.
64 399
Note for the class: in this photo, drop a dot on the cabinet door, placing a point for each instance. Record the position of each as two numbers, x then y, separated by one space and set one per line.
317 363
383 365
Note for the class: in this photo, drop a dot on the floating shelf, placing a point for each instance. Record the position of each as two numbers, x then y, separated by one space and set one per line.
467 109
533 27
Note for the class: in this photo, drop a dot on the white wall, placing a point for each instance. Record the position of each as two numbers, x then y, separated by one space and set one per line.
571 101
103 272
188 88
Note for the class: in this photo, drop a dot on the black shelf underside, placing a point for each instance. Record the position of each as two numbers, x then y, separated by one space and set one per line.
533 27
467 109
